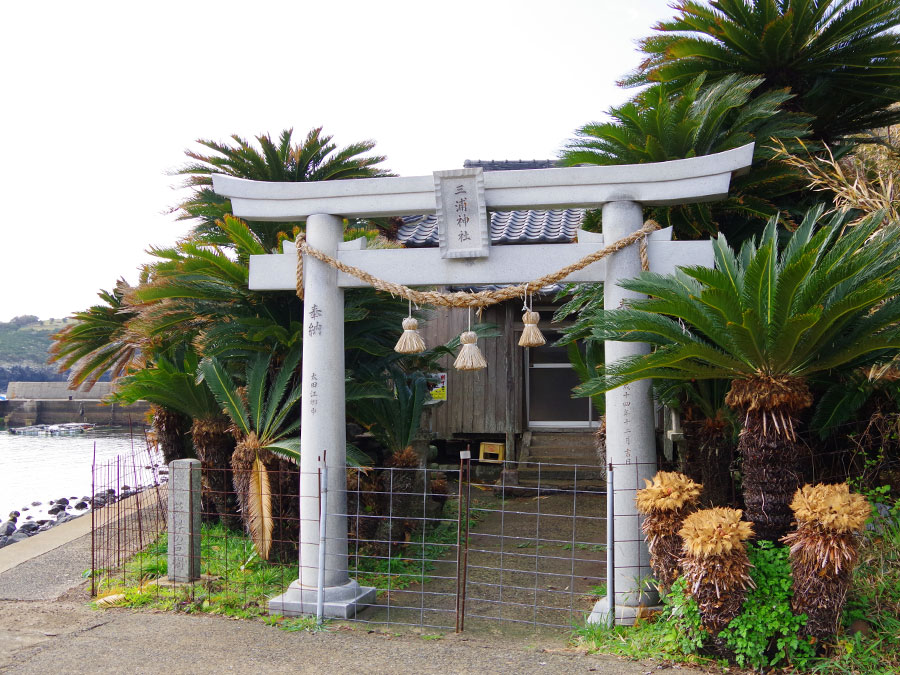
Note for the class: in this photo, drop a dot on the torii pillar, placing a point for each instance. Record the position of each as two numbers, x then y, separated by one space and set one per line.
621 191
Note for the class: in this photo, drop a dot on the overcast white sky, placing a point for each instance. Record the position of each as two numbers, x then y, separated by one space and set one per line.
100 100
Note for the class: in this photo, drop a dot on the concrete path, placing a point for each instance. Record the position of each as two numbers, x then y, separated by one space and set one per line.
46 625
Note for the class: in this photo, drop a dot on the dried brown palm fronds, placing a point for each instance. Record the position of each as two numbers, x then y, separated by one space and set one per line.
776 398
260 509
862 182
665 502
667 491
715 531
831 507
824 550
251 483
715 564
404 459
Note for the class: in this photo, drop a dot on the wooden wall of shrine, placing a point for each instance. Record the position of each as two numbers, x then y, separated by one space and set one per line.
489 401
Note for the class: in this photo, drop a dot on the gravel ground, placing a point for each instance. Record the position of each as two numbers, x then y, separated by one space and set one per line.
67 636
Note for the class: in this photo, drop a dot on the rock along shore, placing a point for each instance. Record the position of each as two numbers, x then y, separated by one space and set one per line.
39 517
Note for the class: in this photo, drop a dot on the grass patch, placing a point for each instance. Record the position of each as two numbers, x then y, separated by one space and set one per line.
408 565
237 583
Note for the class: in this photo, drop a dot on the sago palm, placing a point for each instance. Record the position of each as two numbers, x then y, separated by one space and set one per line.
315 158
767 319
102 340
261 413
840 58
824 551
715 564
665 502
98 341
172 384
663 124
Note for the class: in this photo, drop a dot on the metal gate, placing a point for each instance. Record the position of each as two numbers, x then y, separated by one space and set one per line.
528 548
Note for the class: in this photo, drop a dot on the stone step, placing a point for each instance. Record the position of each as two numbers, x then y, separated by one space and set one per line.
586 458
528 487
531 474
581 439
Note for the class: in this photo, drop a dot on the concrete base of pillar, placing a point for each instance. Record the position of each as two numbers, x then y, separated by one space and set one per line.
341 602
625 614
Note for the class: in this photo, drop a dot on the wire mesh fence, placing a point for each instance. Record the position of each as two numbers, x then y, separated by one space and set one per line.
460 547
127 511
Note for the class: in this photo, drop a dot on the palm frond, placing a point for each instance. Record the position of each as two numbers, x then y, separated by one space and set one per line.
259 506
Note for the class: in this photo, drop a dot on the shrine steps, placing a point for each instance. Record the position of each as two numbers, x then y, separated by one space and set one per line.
569 456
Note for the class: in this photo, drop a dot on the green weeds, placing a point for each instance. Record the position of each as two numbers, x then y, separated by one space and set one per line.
764 635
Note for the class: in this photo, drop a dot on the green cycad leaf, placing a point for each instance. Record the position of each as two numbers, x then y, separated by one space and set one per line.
758 289
277 429
788 284
727 264
782 351
245 242
279 385
257 373
223 388
875 343
836 406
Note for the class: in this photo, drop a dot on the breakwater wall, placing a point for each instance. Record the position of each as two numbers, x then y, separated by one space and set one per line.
20 412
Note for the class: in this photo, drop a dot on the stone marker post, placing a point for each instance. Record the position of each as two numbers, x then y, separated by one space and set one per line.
184 520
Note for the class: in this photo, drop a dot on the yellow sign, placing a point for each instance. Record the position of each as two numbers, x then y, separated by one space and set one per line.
437 386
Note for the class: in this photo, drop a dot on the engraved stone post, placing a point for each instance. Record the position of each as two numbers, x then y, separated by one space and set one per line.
323 431
630 439
184 520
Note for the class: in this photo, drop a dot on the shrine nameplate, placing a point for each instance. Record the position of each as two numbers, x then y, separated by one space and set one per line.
463 227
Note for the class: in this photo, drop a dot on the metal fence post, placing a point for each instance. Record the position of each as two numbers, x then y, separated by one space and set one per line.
323 512
611 543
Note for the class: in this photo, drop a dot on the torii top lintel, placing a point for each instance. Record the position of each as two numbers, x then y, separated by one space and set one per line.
680 181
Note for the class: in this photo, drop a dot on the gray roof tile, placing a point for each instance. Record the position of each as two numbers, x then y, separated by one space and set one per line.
507 227
557 226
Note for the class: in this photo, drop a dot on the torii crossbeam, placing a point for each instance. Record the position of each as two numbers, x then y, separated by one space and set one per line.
621 192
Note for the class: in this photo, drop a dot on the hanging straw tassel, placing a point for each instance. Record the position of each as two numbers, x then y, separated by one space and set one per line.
470 357
531 335
410 342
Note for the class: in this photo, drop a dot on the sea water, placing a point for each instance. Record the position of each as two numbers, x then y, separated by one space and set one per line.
41 468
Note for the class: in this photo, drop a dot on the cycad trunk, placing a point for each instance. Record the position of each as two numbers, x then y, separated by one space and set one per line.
820 586
719 584
768 445
771 476
284 485
716 566
824 552
664 543
214 444
171 429
707 459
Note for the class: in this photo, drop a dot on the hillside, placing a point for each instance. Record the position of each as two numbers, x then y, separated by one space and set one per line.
24 342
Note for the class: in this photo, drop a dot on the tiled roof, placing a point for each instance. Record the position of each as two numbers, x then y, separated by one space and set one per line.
510 164
507 227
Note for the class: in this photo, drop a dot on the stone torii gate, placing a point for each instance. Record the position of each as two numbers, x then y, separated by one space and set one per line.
466 258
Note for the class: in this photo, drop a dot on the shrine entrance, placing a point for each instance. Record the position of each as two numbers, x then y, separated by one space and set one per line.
461 200
548 388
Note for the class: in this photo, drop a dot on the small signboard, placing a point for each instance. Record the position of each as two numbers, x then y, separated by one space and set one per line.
437 386
463 226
